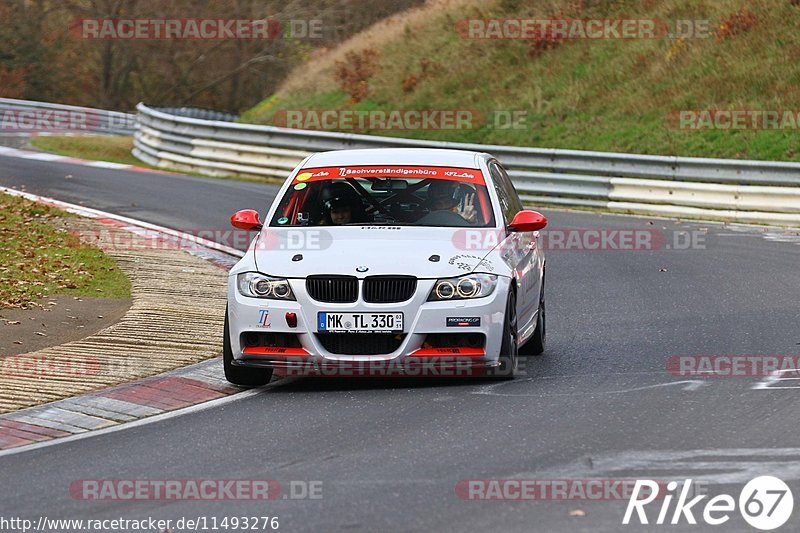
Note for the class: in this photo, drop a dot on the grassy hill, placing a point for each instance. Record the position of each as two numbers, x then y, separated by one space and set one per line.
587 94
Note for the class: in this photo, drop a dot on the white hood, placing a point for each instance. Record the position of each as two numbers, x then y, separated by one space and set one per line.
382 250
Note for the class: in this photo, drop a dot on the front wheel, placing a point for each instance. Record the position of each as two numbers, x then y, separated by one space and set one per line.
243 376
536 344
509 359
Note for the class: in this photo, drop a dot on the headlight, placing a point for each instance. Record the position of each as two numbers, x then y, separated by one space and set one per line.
463 288
257 285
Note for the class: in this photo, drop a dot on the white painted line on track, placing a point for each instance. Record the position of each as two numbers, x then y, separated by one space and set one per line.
712 465
42 157
490 389
768 383
107 164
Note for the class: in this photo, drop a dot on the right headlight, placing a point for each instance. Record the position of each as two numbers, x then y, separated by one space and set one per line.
463 287
257 285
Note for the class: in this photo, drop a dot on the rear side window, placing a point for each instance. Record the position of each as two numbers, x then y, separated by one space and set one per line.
510 203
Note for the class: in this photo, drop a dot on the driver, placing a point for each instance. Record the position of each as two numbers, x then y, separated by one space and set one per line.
446 195
340 205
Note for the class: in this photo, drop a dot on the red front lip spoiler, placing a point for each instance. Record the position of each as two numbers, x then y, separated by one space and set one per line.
272 351
448 352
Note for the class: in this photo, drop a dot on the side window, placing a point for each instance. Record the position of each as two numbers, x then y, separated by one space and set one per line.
512 192
509 201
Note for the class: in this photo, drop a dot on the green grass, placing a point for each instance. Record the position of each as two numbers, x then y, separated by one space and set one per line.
606 95
112 148
37 259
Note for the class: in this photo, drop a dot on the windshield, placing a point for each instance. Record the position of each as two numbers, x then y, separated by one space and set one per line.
394 195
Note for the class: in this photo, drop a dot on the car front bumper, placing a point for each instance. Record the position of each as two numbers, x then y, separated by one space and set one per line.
413 355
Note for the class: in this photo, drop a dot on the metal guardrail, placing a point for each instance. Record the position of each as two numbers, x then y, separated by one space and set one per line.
26 117
736 190
198 112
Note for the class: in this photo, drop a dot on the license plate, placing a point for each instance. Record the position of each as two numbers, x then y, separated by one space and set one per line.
360 322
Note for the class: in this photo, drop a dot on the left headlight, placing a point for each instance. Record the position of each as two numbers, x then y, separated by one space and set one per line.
463 287
256 285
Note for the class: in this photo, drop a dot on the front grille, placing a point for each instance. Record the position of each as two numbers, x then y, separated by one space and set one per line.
389 289
360 343
333 289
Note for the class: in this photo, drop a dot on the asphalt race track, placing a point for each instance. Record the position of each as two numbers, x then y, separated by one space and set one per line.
389 453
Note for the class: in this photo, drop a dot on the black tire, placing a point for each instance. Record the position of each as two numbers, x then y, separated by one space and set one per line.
509 351
243 376
536 344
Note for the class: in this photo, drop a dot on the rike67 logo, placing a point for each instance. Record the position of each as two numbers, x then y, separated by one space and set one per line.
765 503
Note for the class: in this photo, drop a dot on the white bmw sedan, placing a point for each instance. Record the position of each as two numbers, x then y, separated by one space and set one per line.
388 262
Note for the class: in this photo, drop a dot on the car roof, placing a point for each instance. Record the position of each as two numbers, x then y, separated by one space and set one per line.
397 156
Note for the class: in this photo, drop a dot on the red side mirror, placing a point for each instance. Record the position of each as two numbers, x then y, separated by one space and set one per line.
525 221
246 219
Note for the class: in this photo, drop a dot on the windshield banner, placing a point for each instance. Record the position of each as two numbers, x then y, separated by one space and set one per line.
468 175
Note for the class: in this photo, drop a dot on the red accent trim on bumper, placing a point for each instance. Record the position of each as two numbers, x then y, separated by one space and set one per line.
272 351
444 352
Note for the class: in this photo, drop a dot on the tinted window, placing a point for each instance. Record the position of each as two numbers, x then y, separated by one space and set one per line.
510 203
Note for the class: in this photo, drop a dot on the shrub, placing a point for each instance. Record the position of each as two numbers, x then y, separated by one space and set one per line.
736 23
354 72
